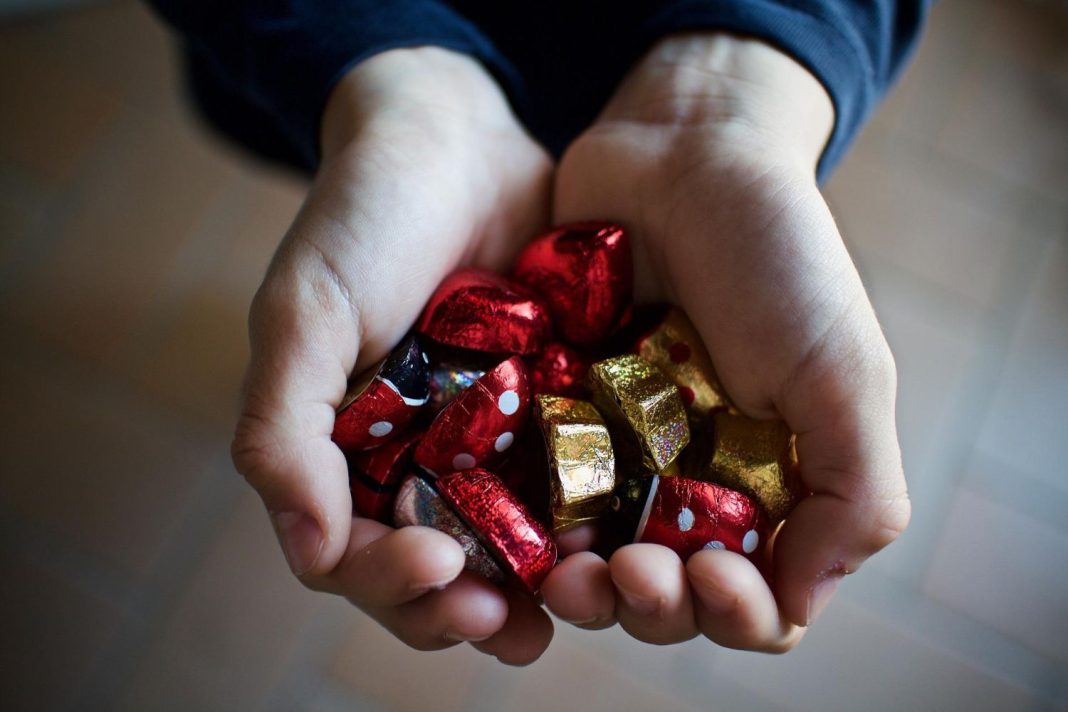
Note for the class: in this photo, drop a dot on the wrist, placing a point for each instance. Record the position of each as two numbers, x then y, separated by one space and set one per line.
743 90
437 92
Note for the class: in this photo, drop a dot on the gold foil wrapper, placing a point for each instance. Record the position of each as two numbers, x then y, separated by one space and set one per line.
581 460
676 348
645 409
757 458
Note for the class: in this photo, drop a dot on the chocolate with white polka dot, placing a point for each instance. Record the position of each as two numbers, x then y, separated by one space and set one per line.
476 428
384 399
688 516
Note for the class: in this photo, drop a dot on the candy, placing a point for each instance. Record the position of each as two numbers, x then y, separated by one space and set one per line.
559 370
483 311
448 380
585 273
520 544
581 462
480 424
675 347
687 516
752 456
374 476
383 400
644 409
419 504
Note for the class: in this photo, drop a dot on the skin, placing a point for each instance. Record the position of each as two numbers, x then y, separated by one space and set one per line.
707 154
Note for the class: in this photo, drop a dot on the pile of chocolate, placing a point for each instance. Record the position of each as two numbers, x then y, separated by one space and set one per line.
522 407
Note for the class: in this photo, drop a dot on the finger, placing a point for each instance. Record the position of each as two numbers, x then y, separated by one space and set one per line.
654 603
580 538
468 609
842 409
734 606
387 567
579 590
525 635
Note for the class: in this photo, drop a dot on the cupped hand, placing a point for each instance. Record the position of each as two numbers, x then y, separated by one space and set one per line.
424 169
707 153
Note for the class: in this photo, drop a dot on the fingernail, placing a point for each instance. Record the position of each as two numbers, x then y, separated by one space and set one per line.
642 606
584 621
820 596
458 638
301 539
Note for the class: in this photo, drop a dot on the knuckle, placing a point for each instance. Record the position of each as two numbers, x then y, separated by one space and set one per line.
253 450
891 521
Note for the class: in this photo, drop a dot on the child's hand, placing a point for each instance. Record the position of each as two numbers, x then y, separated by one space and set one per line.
424 169
707 155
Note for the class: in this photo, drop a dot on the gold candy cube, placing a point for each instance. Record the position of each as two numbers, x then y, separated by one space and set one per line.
644 409
676 348
582 464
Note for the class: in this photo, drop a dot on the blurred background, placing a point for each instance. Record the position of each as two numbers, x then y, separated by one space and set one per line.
141 573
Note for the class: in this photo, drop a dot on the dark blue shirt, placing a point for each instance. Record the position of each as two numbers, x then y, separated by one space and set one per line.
261 70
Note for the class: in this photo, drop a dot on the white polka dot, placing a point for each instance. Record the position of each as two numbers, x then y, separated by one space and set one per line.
503 442
463 461
750 541
508 403
426 359
715 544
685 520
380 429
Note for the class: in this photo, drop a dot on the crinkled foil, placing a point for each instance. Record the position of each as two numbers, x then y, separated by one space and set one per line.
581 461
419 504
643 407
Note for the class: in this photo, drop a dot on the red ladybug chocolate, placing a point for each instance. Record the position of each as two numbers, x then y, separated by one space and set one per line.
559 370
480 424
586 275
383 400
519 542
375 475
482 311
688 515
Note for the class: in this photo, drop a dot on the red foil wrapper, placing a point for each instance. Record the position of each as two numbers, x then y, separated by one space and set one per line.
419 504
383 400
482 311
688 515
586 275
481 424
559 370
520 543
375 475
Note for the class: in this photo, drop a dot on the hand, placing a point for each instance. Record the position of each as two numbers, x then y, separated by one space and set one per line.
424 169
707 154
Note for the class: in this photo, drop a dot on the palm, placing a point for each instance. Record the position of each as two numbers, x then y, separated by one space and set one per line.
746 245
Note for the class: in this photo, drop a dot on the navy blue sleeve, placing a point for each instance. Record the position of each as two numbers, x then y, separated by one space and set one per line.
262 71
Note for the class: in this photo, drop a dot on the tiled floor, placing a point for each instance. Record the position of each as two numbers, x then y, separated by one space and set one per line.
143 575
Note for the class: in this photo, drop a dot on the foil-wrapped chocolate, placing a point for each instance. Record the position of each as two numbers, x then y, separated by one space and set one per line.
581 461
383 400
688 515
585 273
559 370
643 408
448 380
419 504
756 457
375 475
675 347
482 311
518 541
476 428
